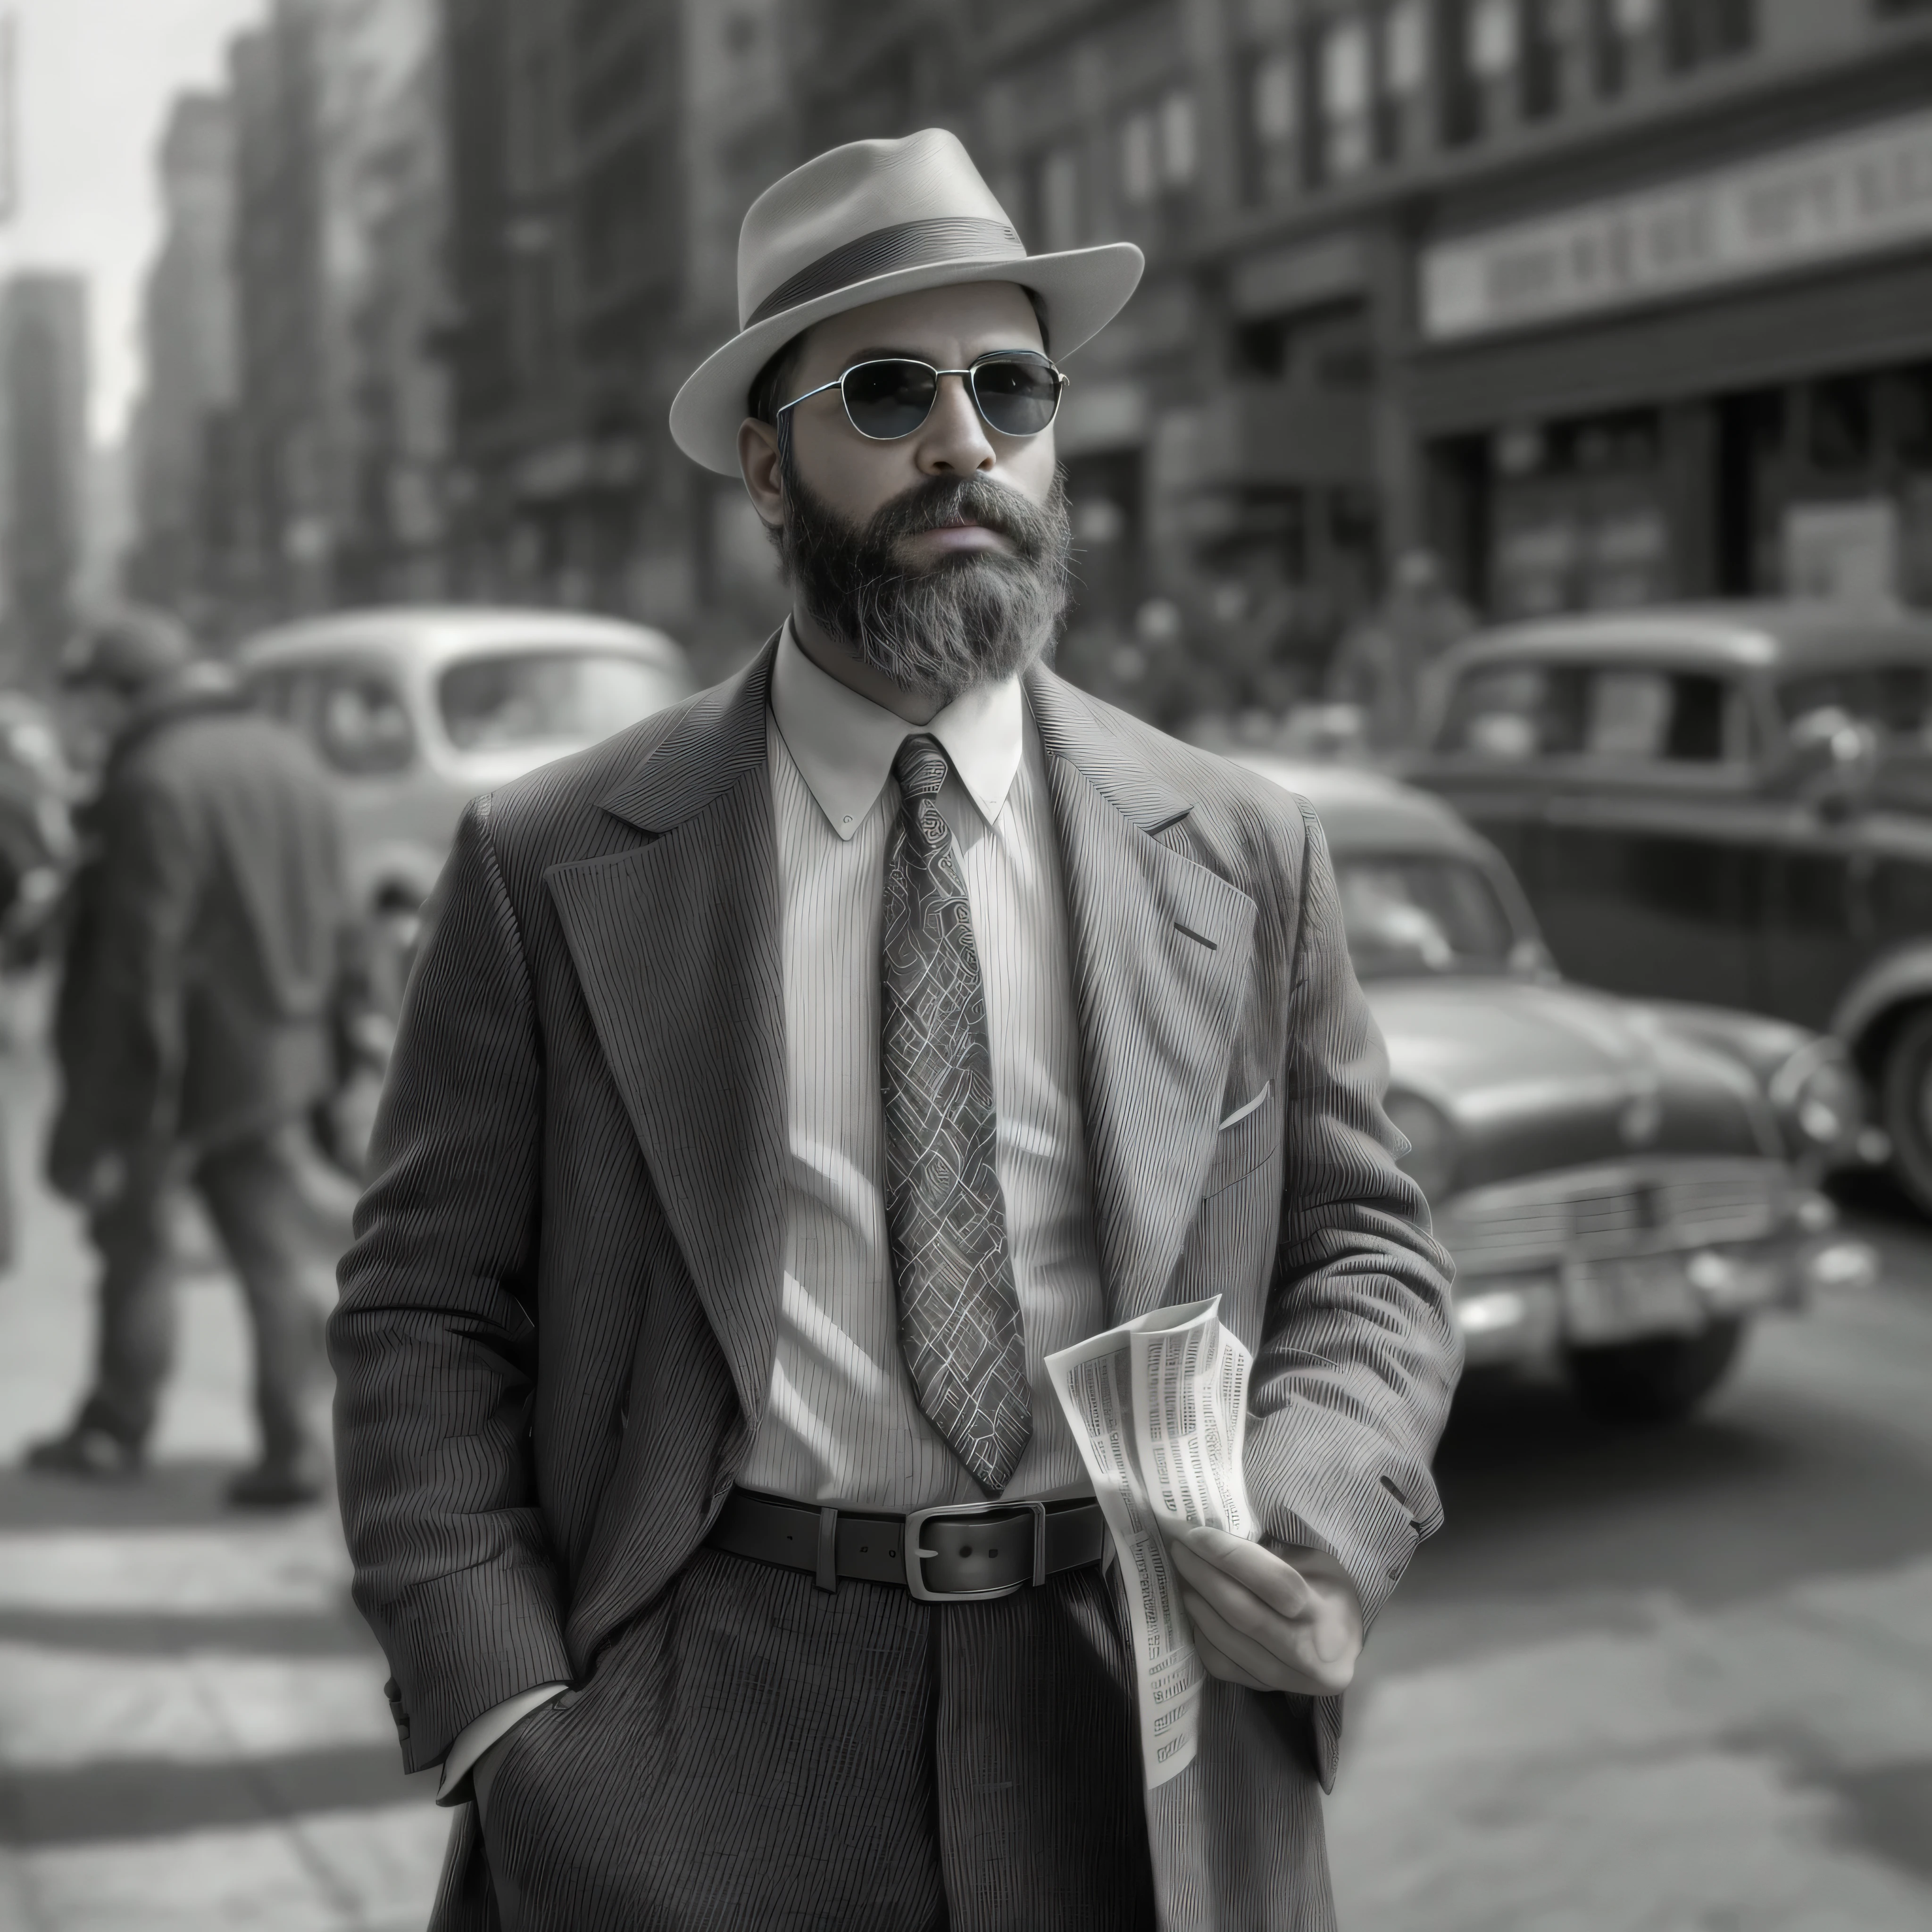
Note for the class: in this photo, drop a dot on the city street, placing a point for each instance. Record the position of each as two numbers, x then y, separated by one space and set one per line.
193 1732
1662 1681
1670 1680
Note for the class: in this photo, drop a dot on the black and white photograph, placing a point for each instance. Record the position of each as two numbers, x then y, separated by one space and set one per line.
965 965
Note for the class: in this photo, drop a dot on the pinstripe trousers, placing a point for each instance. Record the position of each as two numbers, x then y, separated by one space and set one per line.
754 1752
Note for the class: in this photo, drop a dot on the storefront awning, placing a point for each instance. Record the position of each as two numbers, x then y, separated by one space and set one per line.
1846 319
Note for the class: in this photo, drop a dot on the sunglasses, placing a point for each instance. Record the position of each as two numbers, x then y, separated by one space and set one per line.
1016 392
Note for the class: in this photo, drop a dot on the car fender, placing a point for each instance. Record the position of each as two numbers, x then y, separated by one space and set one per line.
1900 977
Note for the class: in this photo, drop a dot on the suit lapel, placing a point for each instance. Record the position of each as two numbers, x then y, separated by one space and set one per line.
676 945
1160 948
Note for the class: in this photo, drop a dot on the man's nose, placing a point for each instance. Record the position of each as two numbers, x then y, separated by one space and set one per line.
952 439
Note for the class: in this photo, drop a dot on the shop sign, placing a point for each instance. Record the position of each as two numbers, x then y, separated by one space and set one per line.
1840 196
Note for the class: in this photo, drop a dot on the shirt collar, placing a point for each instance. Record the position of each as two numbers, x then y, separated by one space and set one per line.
844 745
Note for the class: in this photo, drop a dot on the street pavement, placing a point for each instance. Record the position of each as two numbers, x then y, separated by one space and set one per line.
1668 1681
192 1731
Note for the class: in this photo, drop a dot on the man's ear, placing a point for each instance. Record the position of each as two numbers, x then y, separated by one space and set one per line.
758 463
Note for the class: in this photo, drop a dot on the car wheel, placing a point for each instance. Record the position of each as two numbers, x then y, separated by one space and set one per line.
1905 1103
1661 1379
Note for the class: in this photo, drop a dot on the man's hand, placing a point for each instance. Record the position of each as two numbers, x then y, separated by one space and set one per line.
1270 1622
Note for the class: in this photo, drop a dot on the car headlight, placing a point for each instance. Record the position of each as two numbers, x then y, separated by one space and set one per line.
1430 1161
1817 1093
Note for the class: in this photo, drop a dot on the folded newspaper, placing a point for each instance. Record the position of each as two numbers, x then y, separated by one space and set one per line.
1159 1407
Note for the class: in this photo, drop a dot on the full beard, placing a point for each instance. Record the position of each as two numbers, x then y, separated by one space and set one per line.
950 626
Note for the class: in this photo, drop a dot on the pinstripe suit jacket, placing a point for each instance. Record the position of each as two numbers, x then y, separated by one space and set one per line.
556 1325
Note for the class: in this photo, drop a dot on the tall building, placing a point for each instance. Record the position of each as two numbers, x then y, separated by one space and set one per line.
333 104
177 560
281 470
402 414
43 467
602 156
511 345
566 239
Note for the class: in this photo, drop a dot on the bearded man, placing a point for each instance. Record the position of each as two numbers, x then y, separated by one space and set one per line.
784 1080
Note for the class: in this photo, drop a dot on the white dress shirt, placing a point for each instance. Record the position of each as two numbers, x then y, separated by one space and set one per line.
843 1424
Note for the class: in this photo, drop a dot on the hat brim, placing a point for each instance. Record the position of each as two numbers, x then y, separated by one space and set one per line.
1083 289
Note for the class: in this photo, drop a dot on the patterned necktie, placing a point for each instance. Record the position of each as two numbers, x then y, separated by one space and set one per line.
959 1315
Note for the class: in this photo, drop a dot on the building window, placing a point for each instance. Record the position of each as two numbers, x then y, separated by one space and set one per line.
1493 48
1159 148
1709 30
1059 201
1486 86
1274 114
1628 53
1140 158
1180 151
1406 107
1347 143
1406 48
1841 425
1559 58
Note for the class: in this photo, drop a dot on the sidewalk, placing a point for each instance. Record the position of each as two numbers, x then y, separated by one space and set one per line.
193 1732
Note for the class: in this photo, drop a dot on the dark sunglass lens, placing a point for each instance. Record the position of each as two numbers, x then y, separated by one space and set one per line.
1017 397
888 399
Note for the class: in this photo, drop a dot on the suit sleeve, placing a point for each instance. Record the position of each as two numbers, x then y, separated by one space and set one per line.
433 1340
1360 1352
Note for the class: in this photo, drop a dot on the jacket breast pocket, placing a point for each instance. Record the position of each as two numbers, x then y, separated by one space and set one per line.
1247 1137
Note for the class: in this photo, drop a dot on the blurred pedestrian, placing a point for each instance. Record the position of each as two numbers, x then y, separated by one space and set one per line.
194 1031
1255 618
1387 663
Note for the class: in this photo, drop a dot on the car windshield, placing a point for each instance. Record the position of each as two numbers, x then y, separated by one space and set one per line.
1895 700
1424 914
1627 713
513 698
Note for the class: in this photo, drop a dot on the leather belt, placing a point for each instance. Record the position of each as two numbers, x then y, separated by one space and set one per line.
953 1553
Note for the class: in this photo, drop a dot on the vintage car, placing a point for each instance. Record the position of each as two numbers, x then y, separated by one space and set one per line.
1624 1184
1724 803
415 710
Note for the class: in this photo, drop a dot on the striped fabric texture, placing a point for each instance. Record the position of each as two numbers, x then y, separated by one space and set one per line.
686 1785
843 1424
555 1341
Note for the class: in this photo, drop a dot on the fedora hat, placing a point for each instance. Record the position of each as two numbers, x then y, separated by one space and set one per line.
868 220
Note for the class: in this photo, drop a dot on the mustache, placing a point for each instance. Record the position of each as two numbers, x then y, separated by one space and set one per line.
936 502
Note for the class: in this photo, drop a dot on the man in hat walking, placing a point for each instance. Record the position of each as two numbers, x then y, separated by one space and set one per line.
784 1080
195 1033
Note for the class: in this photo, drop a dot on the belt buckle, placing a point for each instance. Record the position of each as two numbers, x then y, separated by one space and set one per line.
915 1557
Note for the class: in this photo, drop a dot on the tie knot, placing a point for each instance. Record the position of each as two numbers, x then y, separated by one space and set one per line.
920 767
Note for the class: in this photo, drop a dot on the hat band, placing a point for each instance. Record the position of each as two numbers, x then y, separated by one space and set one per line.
906 244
